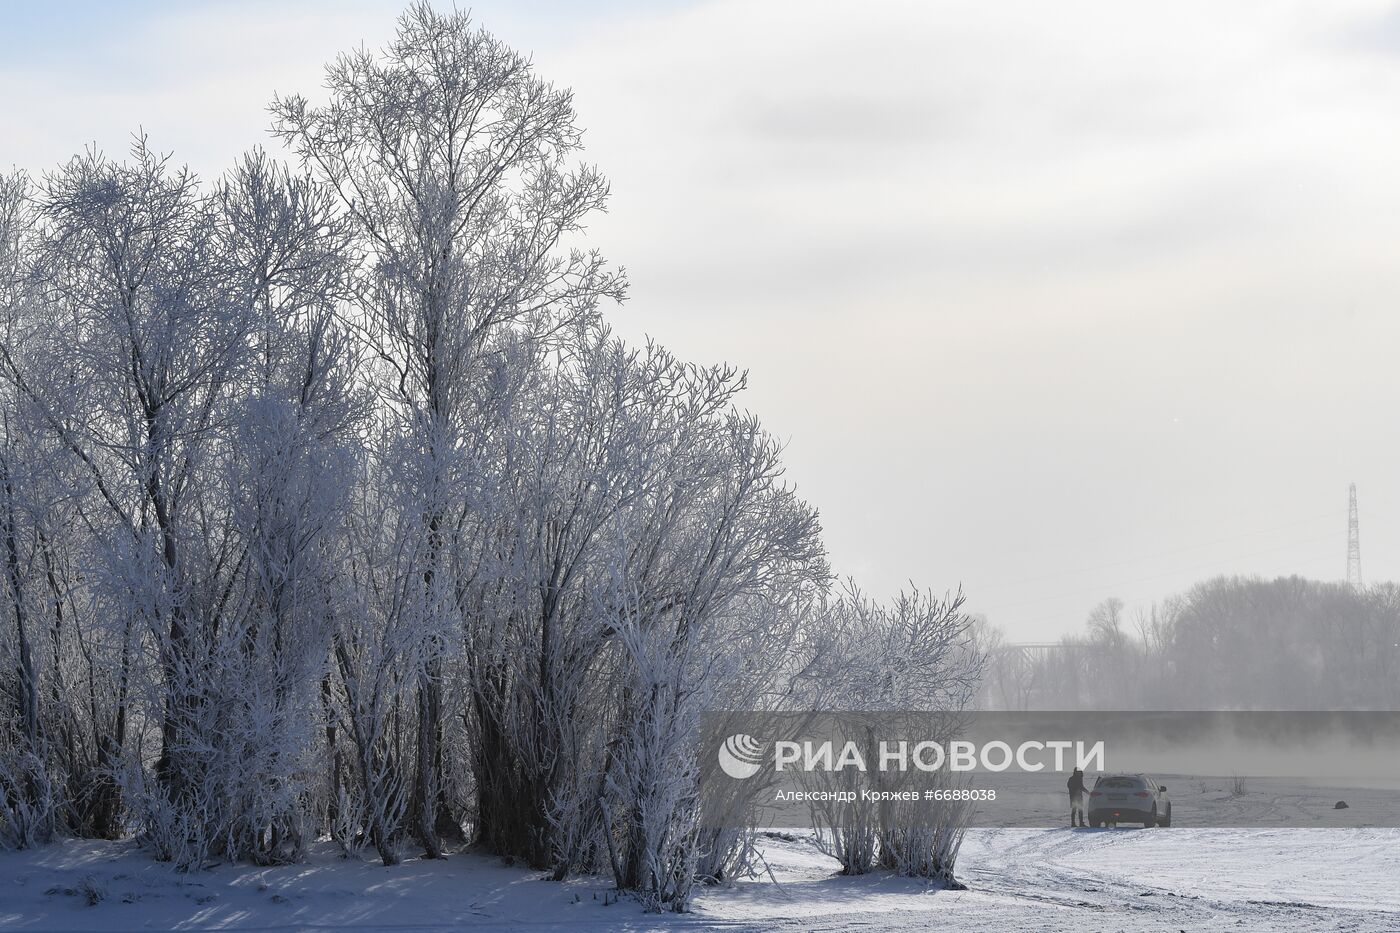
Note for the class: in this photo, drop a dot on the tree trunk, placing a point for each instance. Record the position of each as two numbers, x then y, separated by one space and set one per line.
28 678
426 793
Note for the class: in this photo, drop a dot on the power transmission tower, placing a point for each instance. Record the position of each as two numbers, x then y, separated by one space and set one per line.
1353 545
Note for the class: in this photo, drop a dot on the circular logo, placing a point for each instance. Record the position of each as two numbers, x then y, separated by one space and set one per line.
741 756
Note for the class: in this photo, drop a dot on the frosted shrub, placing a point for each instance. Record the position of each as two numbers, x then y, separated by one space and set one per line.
924 842
28 801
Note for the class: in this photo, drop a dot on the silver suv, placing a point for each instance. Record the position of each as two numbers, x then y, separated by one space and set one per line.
1129 798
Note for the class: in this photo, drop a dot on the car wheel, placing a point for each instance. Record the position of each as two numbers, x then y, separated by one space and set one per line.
1151 821
1166 820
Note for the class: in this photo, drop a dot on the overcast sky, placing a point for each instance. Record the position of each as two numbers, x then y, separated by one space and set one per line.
1056 301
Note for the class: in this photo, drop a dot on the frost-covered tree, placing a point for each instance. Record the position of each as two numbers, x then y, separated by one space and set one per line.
454 163
27 796
69 716
290 471
641 511
135 385
181 367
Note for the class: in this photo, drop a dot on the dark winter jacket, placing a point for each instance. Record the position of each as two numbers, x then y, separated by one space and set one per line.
1076 784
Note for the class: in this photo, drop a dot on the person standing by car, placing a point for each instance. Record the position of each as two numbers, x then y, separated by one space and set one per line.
1076 798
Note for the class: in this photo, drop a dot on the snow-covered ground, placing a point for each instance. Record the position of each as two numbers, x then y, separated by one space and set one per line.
1207 800
1019 879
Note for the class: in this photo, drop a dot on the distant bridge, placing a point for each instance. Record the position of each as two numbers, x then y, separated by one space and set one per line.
1012 681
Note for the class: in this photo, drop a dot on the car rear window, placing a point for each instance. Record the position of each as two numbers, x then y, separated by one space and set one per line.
1115 782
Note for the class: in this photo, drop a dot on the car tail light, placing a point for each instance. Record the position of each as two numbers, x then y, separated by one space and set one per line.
1141 793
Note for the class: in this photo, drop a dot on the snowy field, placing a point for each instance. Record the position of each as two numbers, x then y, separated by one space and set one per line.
1081 880
1208 801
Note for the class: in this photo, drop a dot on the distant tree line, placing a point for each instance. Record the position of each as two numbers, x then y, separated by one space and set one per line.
1227 643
